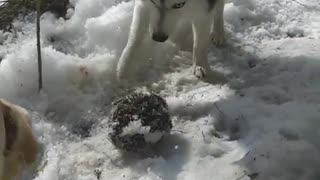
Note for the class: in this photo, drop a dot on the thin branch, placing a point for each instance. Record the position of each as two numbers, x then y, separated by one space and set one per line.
239 178
301 3
219 110
310 7
39 45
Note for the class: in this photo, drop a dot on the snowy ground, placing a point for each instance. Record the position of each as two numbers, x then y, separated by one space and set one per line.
261 125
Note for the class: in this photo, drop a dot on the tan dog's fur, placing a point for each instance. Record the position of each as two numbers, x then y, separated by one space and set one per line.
18 146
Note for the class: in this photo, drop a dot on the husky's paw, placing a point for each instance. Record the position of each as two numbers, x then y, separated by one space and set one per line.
199 72
218 38
218 41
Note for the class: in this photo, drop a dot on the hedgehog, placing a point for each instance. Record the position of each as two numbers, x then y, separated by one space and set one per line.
139 120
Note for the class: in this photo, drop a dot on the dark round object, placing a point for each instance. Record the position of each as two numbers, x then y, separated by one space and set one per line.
139 120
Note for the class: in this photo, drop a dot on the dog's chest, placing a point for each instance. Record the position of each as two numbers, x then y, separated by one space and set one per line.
211 4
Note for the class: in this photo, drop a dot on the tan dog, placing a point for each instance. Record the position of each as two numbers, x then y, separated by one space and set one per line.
18 146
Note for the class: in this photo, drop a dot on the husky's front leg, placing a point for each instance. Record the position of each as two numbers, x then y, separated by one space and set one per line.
138 29
201 40
218 23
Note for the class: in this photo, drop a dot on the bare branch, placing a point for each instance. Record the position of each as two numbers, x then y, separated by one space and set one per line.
301 4
39 45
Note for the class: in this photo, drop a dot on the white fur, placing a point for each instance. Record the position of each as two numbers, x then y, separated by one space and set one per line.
206 25
24 147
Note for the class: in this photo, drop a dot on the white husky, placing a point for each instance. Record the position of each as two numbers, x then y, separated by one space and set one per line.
163 17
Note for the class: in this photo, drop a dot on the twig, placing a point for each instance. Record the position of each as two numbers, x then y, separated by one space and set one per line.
39 45
301 4
219 110
239 178
310 7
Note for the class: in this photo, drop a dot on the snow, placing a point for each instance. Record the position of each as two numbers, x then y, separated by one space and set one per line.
136 127
261 124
